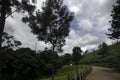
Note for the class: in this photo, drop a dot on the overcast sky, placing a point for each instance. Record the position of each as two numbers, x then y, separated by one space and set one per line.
87 30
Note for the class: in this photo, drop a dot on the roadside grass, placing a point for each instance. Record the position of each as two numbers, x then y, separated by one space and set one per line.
62 74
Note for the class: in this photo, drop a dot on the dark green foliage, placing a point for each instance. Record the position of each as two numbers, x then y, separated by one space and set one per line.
103 49
76 55
22 64
51 60
115 22
25 64
67 58
52 24
9 42
48 56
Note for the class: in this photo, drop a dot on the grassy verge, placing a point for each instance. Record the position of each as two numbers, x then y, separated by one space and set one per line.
63 73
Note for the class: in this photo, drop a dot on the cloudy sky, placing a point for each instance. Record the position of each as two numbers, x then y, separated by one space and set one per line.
87 30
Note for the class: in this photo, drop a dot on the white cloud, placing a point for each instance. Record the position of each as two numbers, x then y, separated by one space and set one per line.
90 47
74 9
39 4
85 24
74 6
75 40
88 38
101 1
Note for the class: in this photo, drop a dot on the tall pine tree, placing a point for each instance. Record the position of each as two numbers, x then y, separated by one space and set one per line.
115 22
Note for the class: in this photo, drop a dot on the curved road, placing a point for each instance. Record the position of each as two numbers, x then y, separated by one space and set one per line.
100 73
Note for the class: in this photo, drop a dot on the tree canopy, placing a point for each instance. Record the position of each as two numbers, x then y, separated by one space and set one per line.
103 49
67 58
76 55
52 24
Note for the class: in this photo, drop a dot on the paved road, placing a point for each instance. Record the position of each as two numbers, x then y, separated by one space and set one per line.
100 73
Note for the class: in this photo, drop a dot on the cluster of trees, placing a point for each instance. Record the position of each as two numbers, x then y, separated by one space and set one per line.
24 63
21 64
72 58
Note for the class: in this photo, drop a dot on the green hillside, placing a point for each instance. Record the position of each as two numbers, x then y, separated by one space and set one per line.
112 58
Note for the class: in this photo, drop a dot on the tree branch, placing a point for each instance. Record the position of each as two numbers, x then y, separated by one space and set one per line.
12 13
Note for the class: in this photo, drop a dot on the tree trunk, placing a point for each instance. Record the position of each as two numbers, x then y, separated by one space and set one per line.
2 24
52 72
2 21
53 49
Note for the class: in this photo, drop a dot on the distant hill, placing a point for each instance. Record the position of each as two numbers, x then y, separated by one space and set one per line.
112 58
